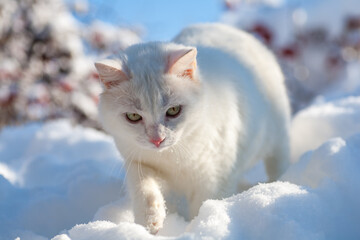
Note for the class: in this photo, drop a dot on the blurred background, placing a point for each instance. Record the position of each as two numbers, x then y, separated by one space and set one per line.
47 47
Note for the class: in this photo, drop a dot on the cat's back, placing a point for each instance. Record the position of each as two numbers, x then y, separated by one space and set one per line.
225 49
234 42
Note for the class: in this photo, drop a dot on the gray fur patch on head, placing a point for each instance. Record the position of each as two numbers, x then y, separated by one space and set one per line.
147 64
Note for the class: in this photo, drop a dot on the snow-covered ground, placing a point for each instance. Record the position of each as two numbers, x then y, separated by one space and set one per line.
61 182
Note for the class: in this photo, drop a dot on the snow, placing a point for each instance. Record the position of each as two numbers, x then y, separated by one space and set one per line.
54 176
324 120
64 182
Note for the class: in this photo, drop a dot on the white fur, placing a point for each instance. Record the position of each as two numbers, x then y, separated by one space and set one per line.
236 112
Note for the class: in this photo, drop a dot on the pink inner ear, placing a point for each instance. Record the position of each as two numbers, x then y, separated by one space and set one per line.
111 73
182 62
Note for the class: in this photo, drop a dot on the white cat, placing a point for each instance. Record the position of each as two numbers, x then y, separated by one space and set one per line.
190 117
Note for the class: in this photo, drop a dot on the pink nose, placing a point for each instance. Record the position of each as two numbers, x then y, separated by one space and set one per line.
157 141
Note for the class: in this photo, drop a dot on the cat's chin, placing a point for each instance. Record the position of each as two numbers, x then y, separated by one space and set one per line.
154 148
158 149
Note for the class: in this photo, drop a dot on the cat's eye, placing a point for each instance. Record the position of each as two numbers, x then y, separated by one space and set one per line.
173 111
133 117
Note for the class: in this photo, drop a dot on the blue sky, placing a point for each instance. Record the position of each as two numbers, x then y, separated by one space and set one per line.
161 19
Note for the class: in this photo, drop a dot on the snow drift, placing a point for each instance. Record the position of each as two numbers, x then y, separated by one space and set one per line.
54 176
323 204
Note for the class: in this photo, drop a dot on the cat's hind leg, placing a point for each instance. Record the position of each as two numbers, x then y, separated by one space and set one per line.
278 160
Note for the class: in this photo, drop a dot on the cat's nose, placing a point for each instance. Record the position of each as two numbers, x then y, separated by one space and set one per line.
157 141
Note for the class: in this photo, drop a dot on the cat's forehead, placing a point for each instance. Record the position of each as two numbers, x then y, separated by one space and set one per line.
147 64
151 95
146 59
146 96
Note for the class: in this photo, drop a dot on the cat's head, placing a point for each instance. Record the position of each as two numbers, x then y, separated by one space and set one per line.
151 95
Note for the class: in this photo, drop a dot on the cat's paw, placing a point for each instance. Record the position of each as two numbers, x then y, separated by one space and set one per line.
155 214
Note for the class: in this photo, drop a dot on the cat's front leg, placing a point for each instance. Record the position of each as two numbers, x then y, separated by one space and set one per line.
145 187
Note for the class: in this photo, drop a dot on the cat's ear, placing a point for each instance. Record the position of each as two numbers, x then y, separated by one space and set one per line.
183 63
111 72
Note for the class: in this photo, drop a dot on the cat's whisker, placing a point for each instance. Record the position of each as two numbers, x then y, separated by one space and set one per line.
177 154
140 153
123 187
138 170
130 157
135 156
177 161
181 152
184 150
113 169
